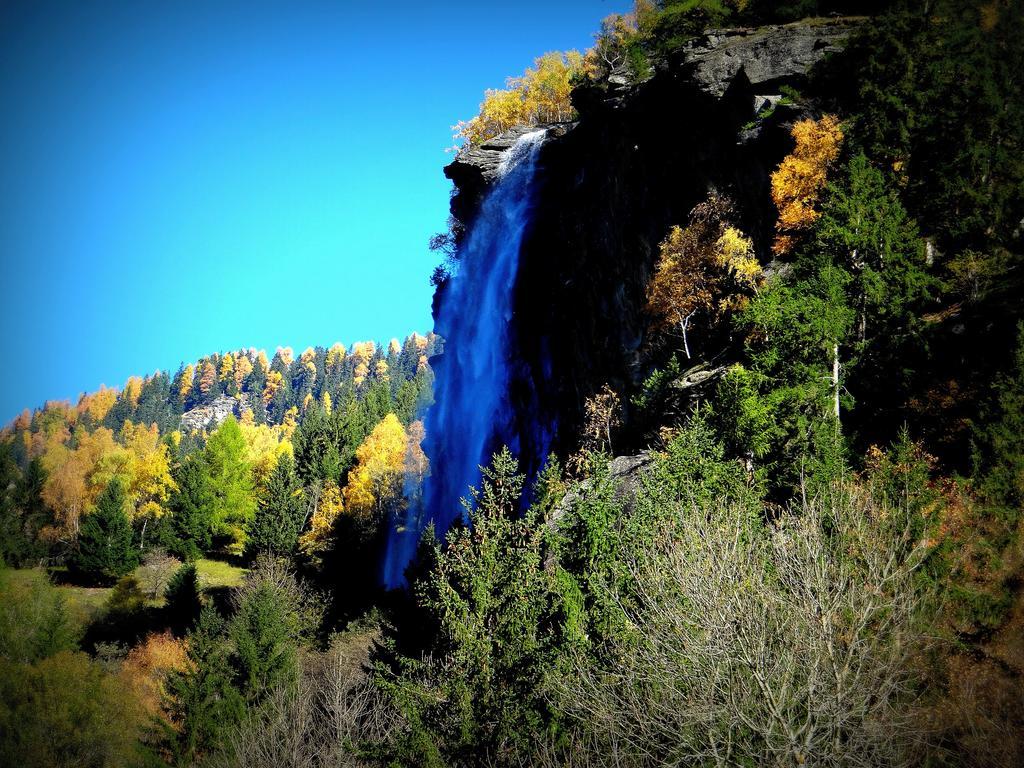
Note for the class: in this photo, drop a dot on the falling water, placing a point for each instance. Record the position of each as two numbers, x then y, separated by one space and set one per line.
472 413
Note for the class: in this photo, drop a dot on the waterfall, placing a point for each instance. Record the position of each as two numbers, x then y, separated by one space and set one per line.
472 413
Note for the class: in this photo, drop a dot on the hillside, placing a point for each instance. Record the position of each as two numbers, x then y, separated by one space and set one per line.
145 433
720 462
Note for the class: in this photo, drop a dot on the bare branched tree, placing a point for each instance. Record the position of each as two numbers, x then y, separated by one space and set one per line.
792 646
320 722
156 571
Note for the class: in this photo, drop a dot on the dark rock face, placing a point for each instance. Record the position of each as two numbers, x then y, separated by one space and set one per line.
611 185
767 56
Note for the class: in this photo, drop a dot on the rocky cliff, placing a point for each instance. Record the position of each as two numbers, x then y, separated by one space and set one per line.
640 156
209 416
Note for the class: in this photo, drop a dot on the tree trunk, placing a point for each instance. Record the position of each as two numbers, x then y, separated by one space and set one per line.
684 324
835 379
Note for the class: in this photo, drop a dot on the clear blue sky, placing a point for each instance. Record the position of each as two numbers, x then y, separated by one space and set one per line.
179 178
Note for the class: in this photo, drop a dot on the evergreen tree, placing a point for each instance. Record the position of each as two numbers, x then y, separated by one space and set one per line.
191 510
865 230
999 453
490 600
202 701
22 511
316 448
105 550
796 346
183 599
276 526
266 629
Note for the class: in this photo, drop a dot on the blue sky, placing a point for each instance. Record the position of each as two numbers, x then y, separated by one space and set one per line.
180 178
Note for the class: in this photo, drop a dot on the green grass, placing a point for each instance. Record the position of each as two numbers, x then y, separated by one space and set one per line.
83 603
86 604
217 573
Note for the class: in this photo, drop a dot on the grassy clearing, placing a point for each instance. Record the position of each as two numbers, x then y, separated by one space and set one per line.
83 604
217 573
86 604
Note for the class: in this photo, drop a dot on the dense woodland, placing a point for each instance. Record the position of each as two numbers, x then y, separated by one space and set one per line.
815 560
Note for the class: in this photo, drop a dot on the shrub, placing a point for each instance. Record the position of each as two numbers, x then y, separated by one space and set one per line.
65 711
183 598
762 645
33 619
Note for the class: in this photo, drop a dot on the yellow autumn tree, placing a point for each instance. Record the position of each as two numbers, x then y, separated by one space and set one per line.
540 95
286 355
800 178
328 403
328 507
75 476
703 270
547 85
261 361
289 422
375 483
227 368
273 384
362 353
264 446
185 385
97 404
243 367
148 471
335 357
736 255
501 110
132 390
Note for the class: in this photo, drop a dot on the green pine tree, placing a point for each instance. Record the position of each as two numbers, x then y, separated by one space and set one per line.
191 510
865 230
202 701
491 604
280 514
266 630
183 598
105 550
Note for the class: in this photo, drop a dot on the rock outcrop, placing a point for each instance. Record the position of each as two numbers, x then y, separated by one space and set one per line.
611 184
764 56
209 415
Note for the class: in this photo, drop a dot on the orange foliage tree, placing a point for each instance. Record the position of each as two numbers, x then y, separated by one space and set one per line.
703 270
207 377
147 665
800 178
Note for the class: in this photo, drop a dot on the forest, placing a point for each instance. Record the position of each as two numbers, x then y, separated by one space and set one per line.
798 540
